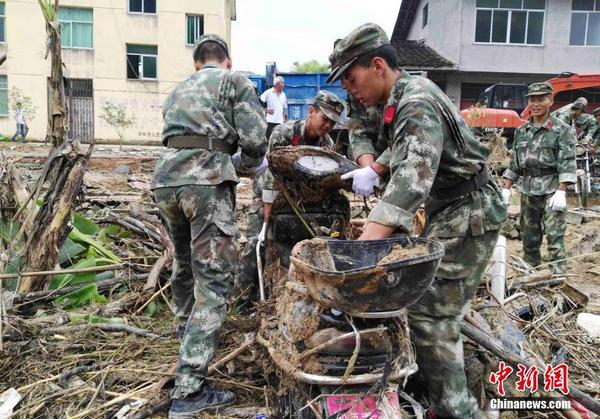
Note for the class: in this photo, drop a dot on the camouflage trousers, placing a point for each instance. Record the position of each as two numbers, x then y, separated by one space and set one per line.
201 223
247 277
536 220
435 322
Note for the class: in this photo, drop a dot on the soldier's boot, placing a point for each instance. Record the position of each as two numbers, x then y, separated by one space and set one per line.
208 399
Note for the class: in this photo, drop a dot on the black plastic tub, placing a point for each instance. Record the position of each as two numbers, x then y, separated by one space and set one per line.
346 274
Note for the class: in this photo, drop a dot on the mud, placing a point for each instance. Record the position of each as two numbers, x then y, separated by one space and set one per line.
399 253
297 314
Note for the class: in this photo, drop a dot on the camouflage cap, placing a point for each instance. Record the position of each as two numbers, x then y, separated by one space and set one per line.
361 40
538 89
582 100
577 106
331 105
211 37
596 112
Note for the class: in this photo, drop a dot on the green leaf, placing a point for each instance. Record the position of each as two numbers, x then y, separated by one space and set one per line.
103 234
101 276
8 230
81 297
60 281
152 309
85 225
79 237
69 251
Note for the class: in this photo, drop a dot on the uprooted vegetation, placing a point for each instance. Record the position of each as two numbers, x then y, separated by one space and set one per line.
102 339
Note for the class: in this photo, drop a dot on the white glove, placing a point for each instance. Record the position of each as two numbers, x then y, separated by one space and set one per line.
262 234
364 180
263 167
558 202
506 192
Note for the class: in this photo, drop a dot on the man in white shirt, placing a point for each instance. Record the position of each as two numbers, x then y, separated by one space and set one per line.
21 124
276 104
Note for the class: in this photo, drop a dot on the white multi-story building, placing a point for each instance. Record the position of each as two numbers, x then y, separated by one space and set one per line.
129 52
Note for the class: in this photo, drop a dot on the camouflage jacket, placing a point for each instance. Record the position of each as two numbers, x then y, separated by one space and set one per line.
546 147
584 122
221 105
432 147
364 128
289 133
595 137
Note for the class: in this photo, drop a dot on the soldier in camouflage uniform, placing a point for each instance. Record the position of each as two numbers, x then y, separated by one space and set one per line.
206 117
564 113
326 110
543 157
575 116
434 158
595 136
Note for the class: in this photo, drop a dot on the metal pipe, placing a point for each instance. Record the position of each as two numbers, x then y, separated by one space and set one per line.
261 283
498 270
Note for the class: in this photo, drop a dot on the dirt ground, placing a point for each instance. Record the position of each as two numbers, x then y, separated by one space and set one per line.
120 179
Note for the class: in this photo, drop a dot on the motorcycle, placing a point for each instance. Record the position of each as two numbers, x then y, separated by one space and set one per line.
339 335
587 170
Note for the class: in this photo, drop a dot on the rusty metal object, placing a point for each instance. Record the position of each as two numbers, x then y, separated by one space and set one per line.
345 274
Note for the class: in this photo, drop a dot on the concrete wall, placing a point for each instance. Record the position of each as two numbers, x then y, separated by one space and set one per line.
113 28
451 32
444 20
553 57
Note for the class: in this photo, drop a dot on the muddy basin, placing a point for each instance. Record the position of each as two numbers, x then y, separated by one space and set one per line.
366 276
318 167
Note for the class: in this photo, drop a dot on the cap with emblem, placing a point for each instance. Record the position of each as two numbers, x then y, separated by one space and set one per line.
577 106
596 111
331 105
211 37
538 89
361 40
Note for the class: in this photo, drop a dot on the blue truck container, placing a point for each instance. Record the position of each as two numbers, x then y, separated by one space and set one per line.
259 81
301 89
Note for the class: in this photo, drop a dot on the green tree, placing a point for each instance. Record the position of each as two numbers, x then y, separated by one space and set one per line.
312 66
116 116
17 96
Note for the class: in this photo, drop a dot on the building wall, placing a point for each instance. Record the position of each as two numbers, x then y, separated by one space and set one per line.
444 19
113 28
553 57
451 32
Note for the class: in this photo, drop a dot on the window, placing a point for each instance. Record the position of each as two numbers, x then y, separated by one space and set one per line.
142 6
195 28
2 23
76 27
519 22
141 62
3 96
585 23
425 15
